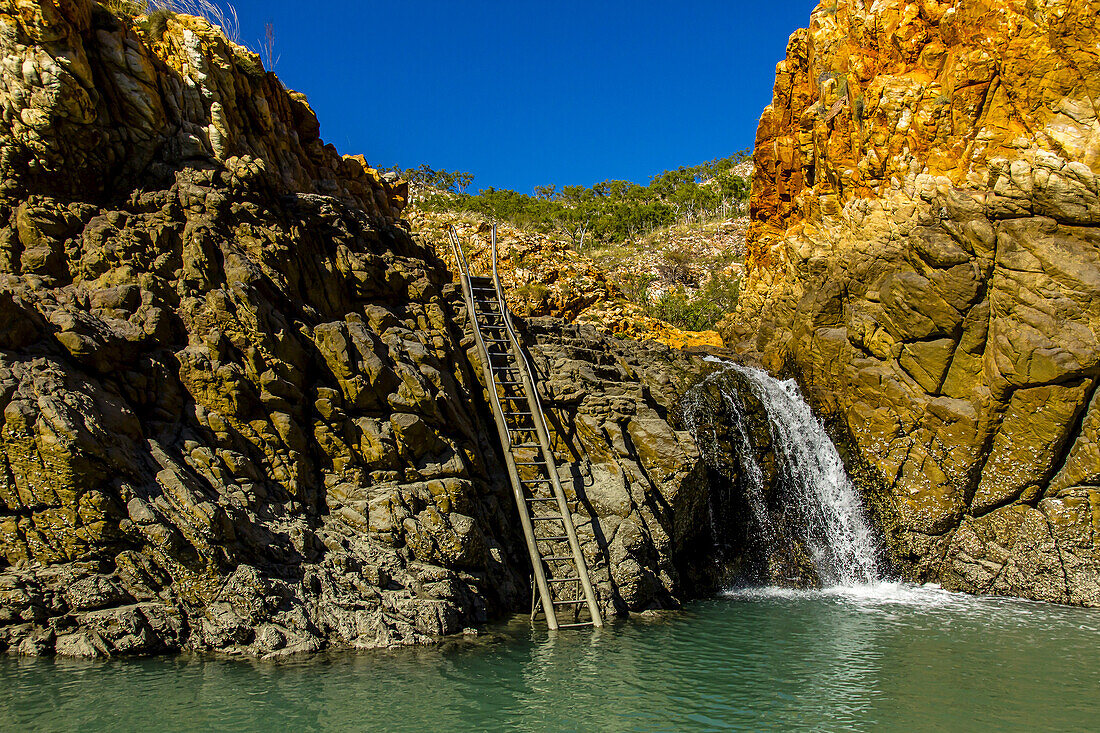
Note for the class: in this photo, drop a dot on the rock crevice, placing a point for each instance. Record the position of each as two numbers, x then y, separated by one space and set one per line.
239 408
924 256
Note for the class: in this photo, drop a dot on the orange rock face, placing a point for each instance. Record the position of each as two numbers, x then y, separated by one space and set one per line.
874 93
925 255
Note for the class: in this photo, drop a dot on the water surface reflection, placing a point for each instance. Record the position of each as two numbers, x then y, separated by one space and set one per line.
883 657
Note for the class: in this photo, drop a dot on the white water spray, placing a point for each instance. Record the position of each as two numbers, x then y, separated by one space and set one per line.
833 526
839 536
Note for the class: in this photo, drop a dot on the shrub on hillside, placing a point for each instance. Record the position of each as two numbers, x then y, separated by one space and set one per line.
609 212
701 311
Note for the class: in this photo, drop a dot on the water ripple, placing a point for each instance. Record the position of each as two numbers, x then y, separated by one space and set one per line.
881 657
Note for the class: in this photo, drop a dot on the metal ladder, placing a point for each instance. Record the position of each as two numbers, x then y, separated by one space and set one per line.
560 575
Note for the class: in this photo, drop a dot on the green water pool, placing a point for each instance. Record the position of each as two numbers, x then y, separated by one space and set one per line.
883 658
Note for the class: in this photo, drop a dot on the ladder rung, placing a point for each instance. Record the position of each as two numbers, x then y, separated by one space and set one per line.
505 367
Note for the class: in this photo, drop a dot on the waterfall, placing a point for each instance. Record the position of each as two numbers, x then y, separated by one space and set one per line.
804 509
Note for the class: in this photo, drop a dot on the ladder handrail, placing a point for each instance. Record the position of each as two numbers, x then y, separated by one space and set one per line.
527 373
460 255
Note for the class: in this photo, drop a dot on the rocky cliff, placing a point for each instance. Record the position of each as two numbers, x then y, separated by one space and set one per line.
240 410
925 257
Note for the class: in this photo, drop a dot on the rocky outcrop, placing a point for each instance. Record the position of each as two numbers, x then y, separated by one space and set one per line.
925 257
96 103
543 276
642 488
239 409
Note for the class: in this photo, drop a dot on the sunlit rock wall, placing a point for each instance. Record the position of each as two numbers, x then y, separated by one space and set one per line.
925 255
238 410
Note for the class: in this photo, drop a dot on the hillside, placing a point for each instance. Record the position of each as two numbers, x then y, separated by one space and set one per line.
239 406
661 262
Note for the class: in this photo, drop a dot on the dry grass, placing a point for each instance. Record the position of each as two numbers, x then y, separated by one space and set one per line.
125 7
222 15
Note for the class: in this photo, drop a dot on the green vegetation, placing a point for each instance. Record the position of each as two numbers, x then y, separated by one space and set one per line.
701 311
608 212
620 225
534 291
425 177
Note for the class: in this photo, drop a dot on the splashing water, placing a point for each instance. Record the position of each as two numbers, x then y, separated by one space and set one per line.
706 435
832 524
839 536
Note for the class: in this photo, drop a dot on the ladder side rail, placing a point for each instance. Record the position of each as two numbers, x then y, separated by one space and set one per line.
460 254
543 433
509 459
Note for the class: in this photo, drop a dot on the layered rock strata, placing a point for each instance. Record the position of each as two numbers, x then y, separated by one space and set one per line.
239 407
925 256
641 485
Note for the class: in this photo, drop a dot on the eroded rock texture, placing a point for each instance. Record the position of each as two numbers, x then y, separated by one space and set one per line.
239 411
642 486
543 276
925 255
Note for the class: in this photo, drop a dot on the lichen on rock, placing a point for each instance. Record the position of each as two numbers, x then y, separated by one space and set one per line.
240 411
924 256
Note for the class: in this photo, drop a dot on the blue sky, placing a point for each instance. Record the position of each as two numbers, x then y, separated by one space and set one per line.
522 94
